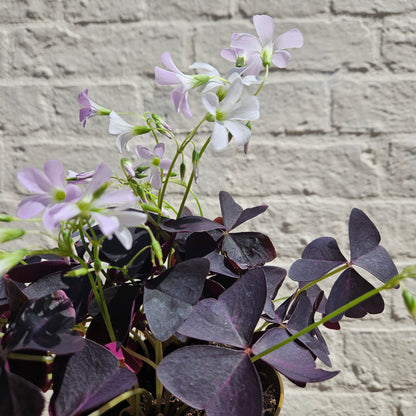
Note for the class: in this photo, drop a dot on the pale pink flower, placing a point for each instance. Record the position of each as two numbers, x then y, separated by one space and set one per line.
90 108
263 48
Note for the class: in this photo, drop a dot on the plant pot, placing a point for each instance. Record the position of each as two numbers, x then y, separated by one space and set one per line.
273 392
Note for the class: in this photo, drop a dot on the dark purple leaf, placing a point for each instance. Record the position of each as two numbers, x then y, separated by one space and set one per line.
249 249
35 372
220 380
274 280
121 306
190 224
364 236
46 325
319 257
302 317
233 214
16 298
232 318
220 265
378 262
34 271
86 379
168 299
230 210
349 286
292 360
199 245
18 396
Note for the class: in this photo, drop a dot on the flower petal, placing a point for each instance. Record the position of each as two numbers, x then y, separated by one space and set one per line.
54 170
247 109
108 224
219 138
291 39
165 163
177 96
168 62
210 102
115 197
72 193
164 77
281 59
233 94
246 41
239 131
265 28
155 179
32 205
83 98
159 150
131 218
143 152
56 213
230 54
185 106
117 124
124 236
101 175
34 180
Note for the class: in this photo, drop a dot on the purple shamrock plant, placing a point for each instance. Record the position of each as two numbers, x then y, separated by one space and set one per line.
142 307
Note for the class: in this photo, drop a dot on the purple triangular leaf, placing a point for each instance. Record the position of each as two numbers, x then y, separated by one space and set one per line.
349 286
232 318
218 264
364 235
302 317
168 299
378 262
249 249
190 225
18 396
230 210
220 380
121 305
87 379
318 258
33 271
274 280
250 213
292 360
17 300
46 325
199 245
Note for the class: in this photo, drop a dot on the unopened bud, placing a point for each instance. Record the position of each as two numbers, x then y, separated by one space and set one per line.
7 218
182 170
8 234
410 302
138 130
77 272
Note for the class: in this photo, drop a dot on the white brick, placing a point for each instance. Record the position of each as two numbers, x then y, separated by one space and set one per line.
373 7
16 11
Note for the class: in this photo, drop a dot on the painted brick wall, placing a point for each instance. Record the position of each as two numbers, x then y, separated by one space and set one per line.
337 131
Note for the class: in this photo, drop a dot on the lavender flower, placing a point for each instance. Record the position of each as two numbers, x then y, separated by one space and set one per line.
125 131
49 188
90 108
263 49
230 115
156 162
179 96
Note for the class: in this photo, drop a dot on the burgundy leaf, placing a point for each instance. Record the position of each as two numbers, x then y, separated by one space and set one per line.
18 396
292 360
248 249
218 264
121 306
16 298
46 325
364 236
232 318
274 280
378 262
34 271
220 380
302 317
168 299
87 379
349 286
190 224
319 257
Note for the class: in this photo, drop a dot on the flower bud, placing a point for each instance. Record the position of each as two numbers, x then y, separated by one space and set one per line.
138 130
77 272
8 234
410 302
7 218
9 260
182 170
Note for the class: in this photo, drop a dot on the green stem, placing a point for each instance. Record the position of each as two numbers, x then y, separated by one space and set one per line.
326 318
264 80
159 385
191 178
